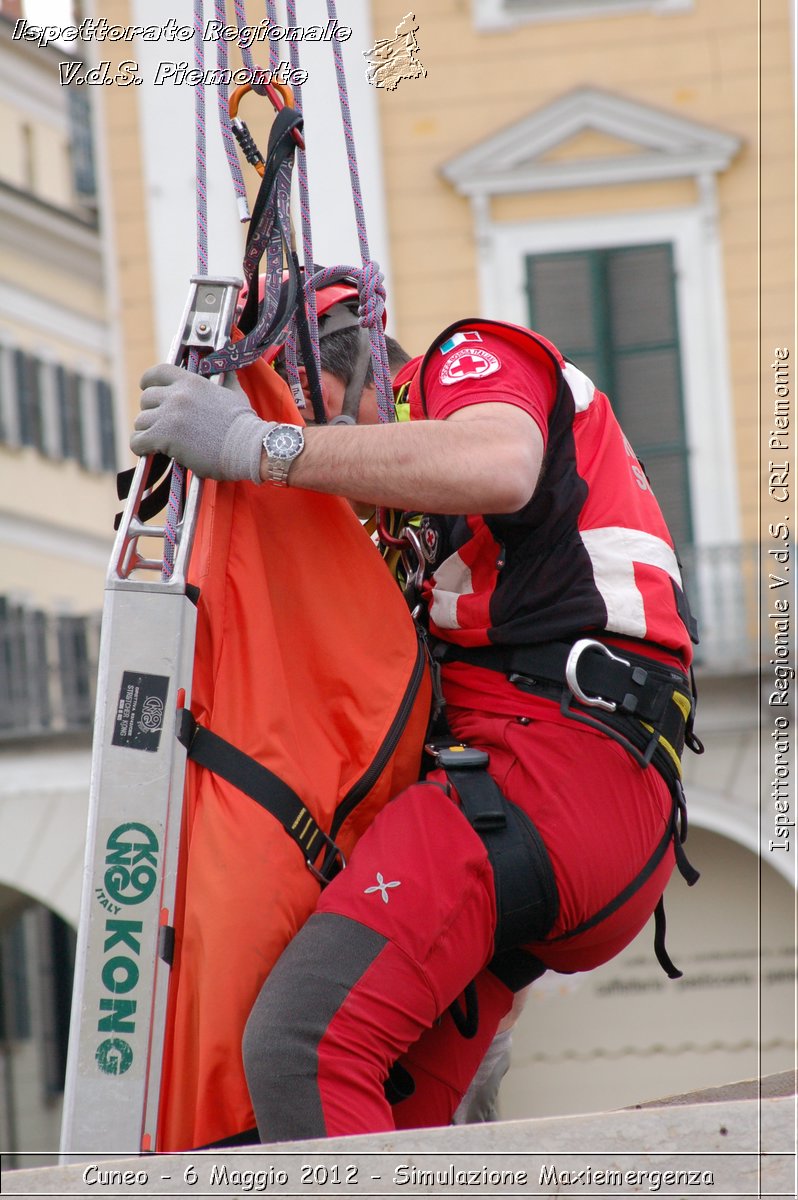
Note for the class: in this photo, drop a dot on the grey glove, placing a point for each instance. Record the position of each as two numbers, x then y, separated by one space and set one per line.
211 430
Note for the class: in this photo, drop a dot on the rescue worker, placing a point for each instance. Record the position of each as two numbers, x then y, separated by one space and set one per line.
555 603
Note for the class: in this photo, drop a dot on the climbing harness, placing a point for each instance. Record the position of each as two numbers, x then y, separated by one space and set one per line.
643 705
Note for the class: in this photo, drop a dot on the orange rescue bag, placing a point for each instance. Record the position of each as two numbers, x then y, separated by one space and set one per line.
307 660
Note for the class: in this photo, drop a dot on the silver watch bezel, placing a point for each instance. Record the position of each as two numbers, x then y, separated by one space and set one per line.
278 460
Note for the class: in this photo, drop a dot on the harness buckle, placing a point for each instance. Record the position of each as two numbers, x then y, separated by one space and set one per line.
572 663
332 863
452 757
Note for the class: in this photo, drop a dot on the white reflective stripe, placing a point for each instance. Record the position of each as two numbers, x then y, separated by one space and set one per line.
451 581
583 389
613 553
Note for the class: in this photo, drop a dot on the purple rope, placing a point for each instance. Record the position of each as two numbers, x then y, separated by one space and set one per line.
241 20
177 486
370 278
274 47
292 371
246 51
304 198
223 105
202 162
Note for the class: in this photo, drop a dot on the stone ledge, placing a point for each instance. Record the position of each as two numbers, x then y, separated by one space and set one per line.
767 1088
748 1146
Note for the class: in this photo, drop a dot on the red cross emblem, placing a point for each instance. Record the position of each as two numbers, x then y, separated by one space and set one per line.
469 363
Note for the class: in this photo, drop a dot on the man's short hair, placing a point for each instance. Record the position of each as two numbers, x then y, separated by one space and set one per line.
339 350
338 354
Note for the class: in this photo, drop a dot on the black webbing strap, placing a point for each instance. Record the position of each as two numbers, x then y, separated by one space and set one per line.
663 958
527 900
467 1019
516 968
269 234
526 890
151 504
261 785
638 685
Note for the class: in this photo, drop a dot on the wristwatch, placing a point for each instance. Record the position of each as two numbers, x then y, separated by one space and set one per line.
283 443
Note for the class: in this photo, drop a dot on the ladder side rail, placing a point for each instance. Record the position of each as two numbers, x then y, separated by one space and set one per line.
135 808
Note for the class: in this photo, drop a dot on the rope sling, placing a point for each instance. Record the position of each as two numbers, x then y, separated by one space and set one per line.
291 318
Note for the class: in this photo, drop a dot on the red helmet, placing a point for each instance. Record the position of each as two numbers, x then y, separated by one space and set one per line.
341 291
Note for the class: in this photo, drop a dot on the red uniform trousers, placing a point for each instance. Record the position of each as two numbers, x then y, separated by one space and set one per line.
402 931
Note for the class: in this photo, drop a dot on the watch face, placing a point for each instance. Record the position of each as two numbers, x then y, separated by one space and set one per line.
285 441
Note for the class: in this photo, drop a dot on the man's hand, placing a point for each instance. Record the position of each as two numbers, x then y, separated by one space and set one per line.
211 430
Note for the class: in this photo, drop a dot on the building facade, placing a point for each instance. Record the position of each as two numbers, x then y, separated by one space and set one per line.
59 431
615 173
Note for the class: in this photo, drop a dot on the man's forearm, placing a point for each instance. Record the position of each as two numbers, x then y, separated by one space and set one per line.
483 463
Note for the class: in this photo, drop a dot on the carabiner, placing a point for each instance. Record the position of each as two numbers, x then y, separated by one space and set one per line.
280 95
572 664
410 540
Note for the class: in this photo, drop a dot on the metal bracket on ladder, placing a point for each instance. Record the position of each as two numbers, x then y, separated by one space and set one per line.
136 799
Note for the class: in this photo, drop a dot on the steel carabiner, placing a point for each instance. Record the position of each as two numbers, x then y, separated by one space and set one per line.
280 95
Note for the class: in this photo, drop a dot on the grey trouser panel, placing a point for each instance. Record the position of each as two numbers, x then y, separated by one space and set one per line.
305 989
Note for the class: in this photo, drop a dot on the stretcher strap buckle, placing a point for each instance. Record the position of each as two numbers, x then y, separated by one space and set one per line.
334 862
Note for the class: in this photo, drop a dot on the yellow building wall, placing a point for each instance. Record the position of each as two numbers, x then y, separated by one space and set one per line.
124 170
701 64
52 503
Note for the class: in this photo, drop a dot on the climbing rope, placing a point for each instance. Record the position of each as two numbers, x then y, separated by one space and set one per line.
274 239
370 278
177 486
225 125
304 195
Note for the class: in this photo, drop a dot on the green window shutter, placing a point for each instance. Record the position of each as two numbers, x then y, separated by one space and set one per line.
70 417
105 420
613 313
27 369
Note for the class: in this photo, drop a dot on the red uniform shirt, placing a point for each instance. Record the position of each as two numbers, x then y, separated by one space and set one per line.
589 554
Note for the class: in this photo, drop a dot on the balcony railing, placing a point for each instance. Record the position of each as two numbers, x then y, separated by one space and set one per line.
723 583
48 662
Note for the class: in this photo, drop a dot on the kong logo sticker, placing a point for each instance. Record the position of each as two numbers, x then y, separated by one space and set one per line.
151 714
140 711
472 362
114 1056
132 865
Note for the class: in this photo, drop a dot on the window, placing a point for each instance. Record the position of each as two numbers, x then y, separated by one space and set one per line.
24 674
28 158
48 667
498 14
56 410
613 312
15 1013
80 145
4 396
76 671
37 962
105 423
70 418
27 370
56 942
